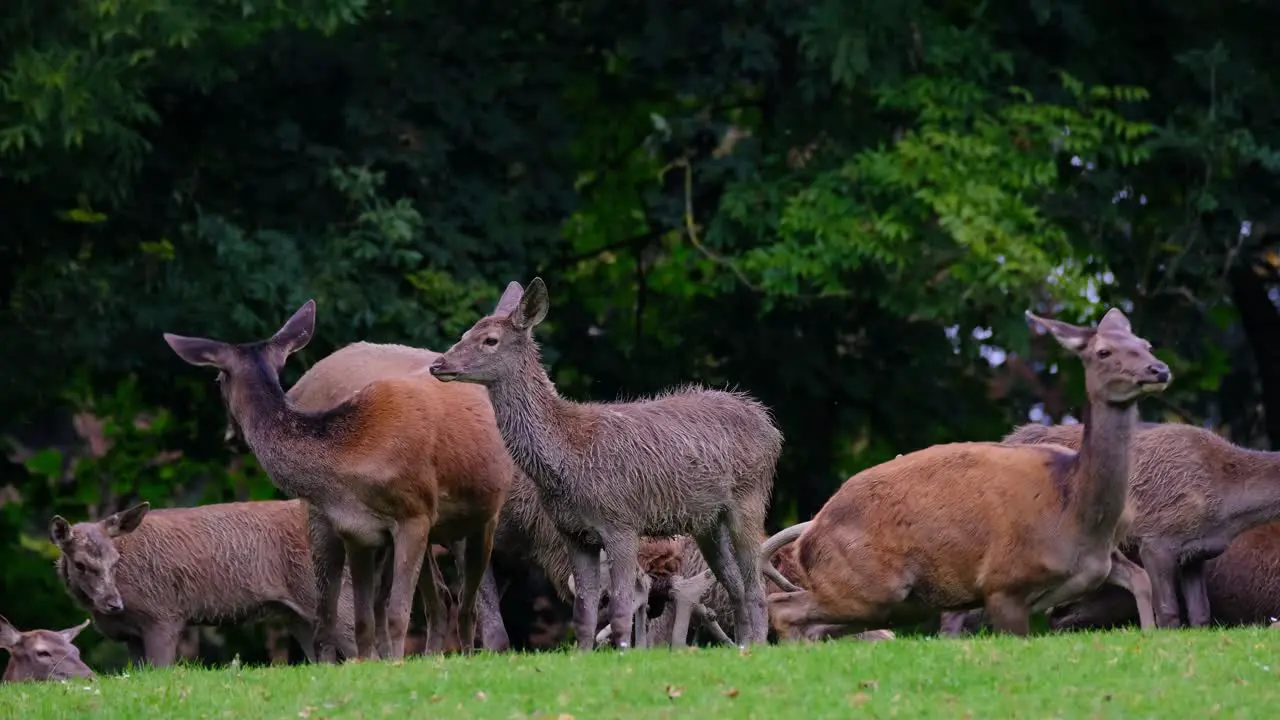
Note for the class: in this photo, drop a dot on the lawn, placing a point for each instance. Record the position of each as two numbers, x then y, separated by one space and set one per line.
1166 674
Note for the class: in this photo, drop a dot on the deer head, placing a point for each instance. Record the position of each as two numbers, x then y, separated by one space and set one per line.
1119 367
42 654
90 556
497 345
237 363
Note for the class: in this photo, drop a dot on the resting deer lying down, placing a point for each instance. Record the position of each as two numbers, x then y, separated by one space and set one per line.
41 654
1015 528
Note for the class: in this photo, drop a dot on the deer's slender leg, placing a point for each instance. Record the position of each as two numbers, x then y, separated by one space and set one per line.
586 594
1194 593
1161 565
1009 614
1129 575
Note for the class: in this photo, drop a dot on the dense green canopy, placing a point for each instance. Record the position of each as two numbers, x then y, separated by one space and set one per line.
842 206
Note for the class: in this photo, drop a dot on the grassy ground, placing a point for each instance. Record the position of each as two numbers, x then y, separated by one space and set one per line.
1201 673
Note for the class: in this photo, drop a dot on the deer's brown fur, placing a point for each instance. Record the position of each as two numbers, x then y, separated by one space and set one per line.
1015 528
1193 493
398 459
343 373
145 574
37 655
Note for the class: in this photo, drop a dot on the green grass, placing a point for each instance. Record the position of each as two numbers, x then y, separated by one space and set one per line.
1166 674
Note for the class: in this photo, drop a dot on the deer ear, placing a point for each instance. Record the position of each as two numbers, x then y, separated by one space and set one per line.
198 351
509 300
126 521
59 531
297 332
9 635
1071 337
70 633
1115 320
533 306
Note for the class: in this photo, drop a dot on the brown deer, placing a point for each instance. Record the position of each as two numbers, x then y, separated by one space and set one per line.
1015 528
344 372
1193 492
41 654
693 461
380 471
145 575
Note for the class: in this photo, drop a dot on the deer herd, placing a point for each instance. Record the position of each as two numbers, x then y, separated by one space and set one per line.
659 506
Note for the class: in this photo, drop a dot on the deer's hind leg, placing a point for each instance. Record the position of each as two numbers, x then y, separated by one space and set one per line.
744 543
717 549
477 550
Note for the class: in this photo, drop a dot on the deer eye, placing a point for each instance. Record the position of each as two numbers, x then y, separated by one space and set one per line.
1104 353
491 341
79 566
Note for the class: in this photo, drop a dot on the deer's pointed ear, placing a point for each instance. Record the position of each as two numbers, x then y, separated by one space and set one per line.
533 306
59 531
297 332
509 300
70 633
198 351
9 635
1071 337
126 521
1115 320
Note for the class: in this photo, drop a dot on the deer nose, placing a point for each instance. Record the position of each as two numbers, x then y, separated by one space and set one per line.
114 605
1160 370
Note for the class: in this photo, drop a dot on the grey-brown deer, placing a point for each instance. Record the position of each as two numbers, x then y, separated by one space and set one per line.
347 370
693 461
1242 586
1016 529
145 574
41 654
380 471
1193 493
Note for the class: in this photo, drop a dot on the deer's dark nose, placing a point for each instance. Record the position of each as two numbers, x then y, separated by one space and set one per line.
114 605
1160 370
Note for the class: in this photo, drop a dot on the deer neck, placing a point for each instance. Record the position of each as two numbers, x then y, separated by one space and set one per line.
1102 483
1251 493
531 418
280 437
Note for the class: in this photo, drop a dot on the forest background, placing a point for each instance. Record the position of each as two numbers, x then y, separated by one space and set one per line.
840 206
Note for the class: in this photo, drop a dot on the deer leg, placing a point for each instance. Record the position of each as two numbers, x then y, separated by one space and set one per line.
586 594
137 651
622 548
160 642
686 593
707 617
328 556
478 548
1161 565
493 632
385 570
640 617
407 551
745 545
1194 593
717 549
1009 614
1129 575
435 594
363 580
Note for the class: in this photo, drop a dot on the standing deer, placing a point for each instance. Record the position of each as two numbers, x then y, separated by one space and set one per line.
379 470
343 373
1193 493
693 461
145 575
41 654
1015 528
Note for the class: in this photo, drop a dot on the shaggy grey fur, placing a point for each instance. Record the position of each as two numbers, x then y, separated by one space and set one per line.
691 461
